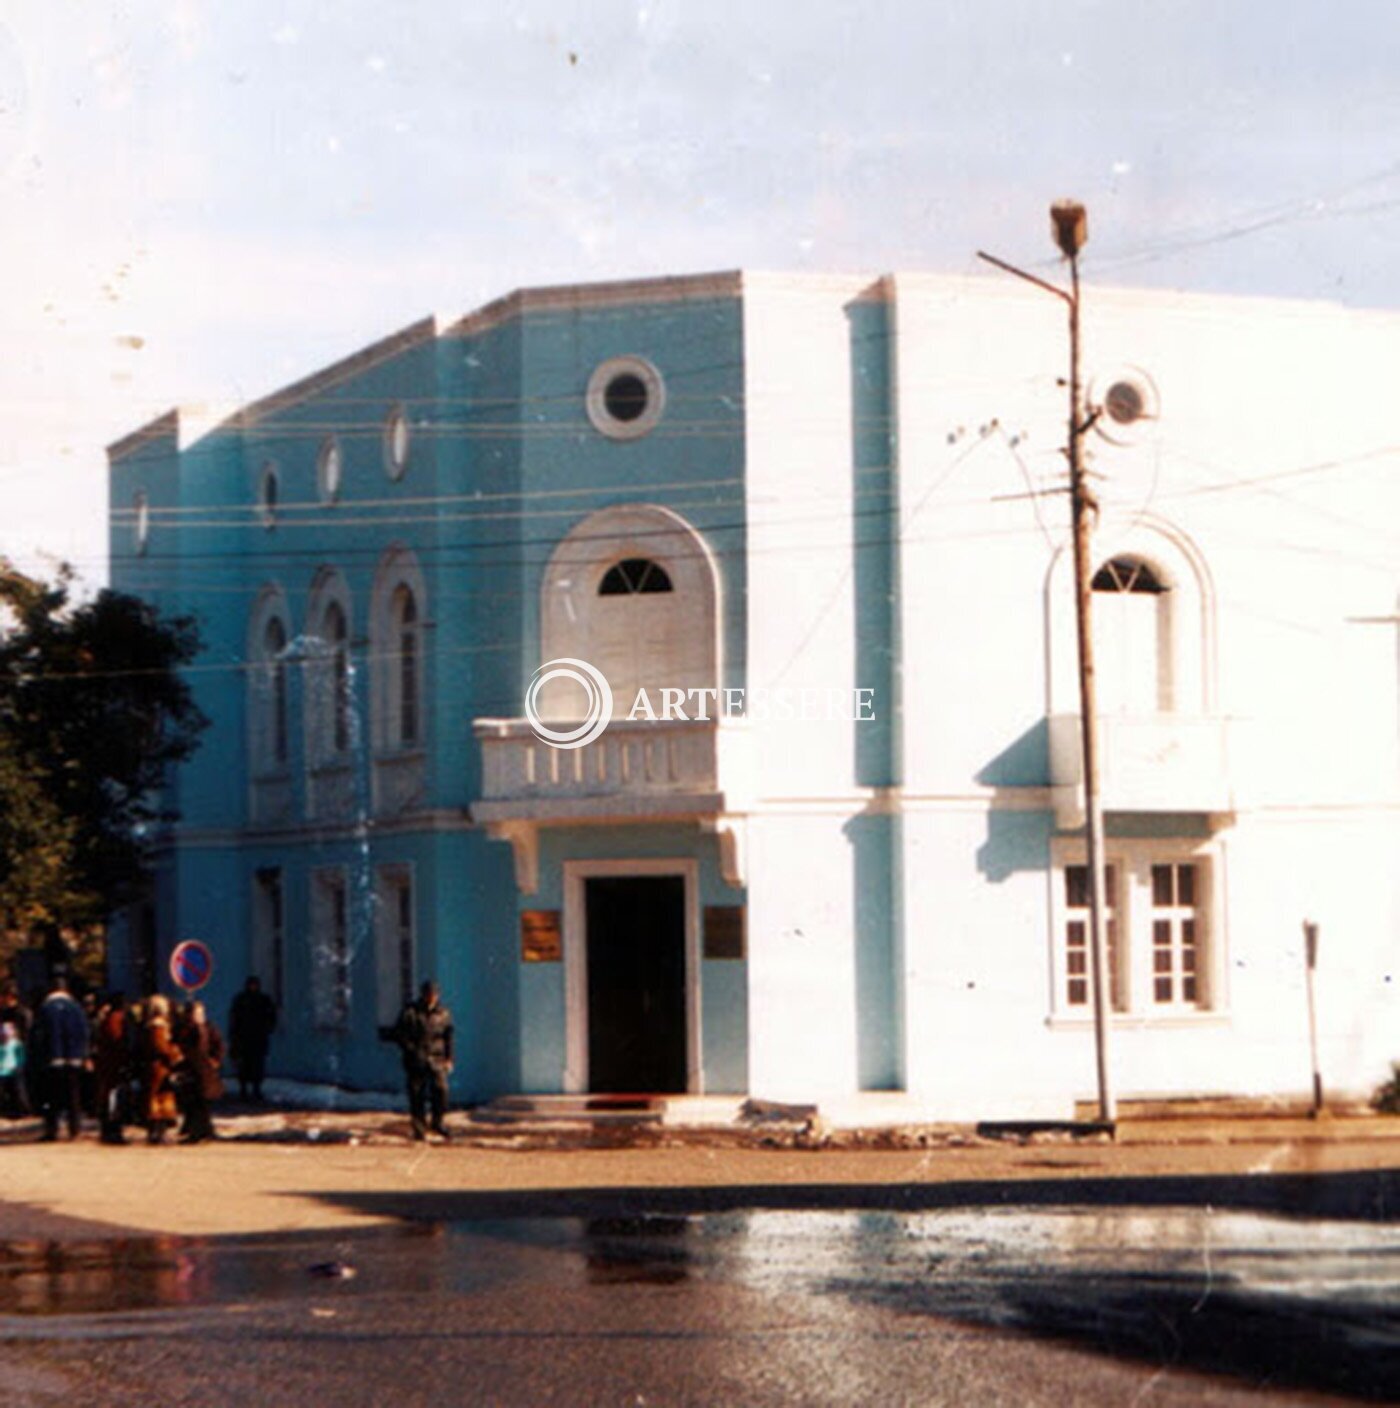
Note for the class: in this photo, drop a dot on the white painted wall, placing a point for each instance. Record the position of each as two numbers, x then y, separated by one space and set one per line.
1294 396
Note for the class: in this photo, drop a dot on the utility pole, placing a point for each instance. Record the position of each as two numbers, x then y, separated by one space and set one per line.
1310 958
1070 227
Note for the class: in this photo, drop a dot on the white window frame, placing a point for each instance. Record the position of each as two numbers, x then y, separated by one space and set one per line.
329 933
596 397
398 442
398 568
391 991
330 470
1133 859
328 687
263 676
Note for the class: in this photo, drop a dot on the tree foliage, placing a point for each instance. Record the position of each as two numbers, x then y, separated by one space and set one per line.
93 710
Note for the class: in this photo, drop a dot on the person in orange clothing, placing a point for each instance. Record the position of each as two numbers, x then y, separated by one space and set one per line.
160 1060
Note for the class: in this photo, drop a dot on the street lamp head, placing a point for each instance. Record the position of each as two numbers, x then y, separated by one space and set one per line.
1069 223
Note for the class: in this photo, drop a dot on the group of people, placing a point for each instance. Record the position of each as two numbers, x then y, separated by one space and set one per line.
146 1063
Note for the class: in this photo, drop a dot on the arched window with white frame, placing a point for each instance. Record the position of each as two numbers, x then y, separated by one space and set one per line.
1153 608
269 708
404 685
397 622
329 674
268 694
1133 637
399 707
634 590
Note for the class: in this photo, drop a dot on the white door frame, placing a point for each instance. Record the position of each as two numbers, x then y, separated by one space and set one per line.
576 872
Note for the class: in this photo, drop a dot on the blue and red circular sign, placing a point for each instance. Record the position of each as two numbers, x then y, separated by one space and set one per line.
191 965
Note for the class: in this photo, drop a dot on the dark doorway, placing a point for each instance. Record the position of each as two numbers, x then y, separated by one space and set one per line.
636 983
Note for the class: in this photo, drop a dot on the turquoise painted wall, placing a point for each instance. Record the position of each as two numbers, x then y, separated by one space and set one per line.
503 461
724 982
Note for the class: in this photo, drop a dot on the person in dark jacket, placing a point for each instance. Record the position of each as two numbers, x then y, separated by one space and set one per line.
424 1036
111 1068
59 1042
252 1018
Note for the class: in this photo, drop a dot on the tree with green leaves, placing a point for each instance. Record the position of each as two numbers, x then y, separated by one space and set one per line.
93 710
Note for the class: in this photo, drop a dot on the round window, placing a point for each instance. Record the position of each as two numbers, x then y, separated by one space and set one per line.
1125 402
267 496
1128 403
141 520
329 470
396 438
625 397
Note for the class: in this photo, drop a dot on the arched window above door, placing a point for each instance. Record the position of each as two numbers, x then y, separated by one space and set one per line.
634 575
634 591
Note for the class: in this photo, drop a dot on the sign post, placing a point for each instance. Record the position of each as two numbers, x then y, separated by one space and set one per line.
191 966
1310 945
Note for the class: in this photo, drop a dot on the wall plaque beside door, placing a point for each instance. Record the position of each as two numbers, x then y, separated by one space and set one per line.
541 940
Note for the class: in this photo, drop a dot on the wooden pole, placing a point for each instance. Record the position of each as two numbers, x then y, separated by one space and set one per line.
1310 956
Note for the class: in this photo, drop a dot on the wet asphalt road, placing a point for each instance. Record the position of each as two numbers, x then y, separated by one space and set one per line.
1016 1305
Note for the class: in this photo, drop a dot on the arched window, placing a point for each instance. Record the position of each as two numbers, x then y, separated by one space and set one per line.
268 695
1132 637
397 621
336 637
405 684
329 677
632 575
633 590
275 663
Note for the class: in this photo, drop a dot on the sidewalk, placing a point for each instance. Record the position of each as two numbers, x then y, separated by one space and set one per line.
282 1171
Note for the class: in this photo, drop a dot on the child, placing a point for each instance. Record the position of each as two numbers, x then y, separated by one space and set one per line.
13 1100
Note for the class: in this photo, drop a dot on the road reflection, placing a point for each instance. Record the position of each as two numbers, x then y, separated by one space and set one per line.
1287 1301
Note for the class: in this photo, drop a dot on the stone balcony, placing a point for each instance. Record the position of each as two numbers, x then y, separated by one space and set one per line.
638 770
1147 763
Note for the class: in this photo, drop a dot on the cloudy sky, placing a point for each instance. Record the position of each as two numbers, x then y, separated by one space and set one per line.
204 200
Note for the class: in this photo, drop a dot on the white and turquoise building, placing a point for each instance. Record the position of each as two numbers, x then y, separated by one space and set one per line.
827 512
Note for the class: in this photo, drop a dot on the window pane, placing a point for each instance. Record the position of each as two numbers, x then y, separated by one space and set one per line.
1161 885
1077 886
1076 932
1078 992
634 574
1186 884
1162 960
1162 989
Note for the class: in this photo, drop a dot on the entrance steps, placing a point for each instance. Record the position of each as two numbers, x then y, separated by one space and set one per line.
681 1111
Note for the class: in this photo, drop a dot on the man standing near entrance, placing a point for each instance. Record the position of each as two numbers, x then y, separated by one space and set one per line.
251 1021
424 1035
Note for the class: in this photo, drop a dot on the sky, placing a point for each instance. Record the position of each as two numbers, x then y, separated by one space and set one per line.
203 201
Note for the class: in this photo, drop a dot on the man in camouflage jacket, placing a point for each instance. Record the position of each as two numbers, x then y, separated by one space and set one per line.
424 1037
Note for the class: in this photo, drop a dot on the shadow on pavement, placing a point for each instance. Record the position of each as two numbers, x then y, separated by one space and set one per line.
1368 1195
1181 1322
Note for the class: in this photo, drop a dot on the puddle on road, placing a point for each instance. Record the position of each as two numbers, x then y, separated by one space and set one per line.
149 1273
958 1261
1311 1302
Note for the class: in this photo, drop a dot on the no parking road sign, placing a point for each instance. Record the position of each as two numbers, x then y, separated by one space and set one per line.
191 965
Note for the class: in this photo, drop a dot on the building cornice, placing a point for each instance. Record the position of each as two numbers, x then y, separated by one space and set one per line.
248 417
568 298
163 427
